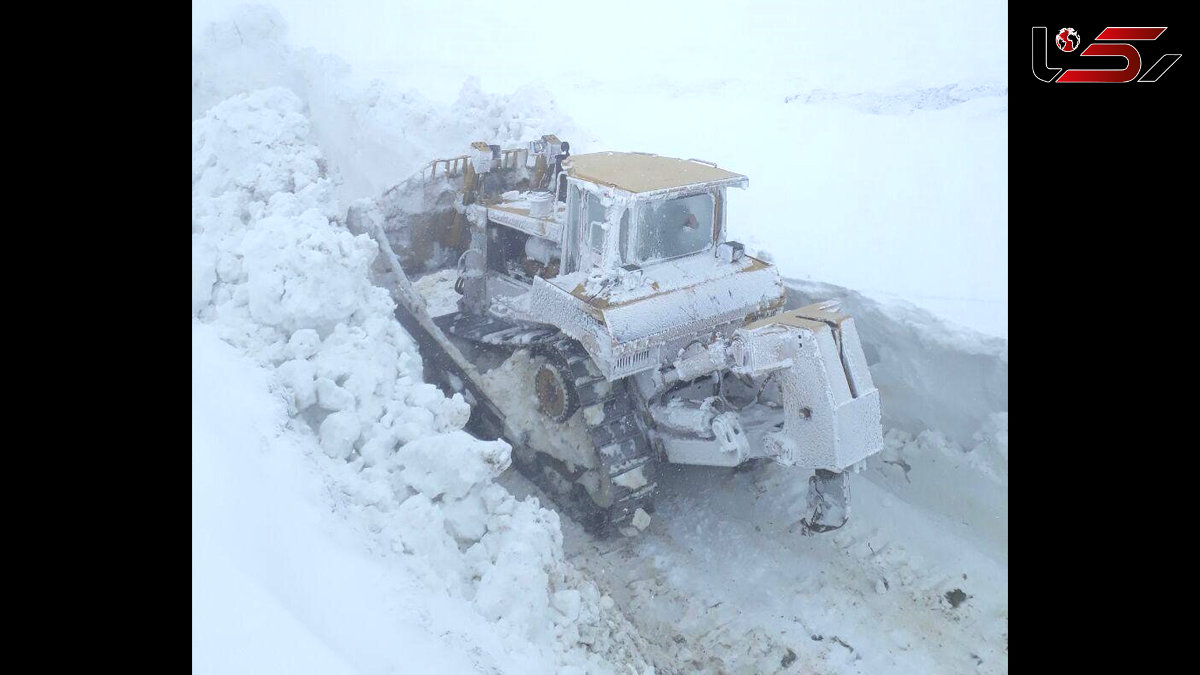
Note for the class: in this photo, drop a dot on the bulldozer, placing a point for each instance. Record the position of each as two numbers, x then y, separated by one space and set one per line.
605 325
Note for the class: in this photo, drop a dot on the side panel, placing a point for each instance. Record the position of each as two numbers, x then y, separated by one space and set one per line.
571 234
832 415
718 300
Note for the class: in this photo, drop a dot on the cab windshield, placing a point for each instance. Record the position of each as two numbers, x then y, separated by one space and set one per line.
674 227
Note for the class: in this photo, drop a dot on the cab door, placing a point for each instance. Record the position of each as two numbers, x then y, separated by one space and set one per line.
586 232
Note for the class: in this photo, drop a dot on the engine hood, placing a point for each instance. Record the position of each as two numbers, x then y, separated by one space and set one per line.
635 309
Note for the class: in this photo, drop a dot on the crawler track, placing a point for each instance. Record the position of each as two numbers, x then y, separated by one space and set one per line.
608 496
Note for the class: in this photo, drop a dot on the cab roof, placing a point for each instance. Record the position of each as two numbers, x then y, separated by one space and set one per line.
642 172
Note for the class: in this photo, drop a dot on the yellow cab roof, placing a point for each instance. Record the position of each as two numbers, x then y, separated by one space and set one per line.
642 172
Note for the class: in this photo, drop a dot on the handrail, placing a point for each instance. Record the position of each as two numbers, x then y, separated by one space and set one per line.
454 166
511 158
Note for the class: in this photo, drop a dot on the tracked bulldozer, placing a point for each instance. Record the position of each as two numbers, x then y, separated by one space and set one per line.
606 325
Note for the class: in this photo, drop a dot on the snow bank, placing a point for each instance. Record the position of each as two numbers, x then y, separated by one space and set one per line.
272 590
944 398
374 135
930 374
275 275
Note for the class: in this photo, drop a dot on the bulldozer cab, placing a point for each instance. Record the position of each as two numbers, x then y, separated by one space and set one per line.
636 209
615 214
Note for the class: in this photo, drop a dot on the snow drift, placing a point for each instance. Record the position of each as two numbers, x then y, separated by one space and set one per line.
931 375
374 135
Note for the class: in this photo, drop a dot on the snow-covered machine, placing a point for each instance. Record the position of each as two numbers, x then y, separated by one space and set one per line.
605 324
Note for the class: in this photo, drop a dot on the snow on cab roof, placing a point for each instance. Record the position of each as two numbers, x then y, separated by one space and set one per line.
643 172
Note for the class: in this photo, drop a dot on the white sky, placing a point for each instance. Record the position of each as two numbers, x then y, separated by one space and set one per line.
513 43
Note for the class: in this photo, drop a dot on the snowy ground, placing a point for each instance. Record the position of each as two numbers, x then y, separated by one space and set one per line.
340 521
723 580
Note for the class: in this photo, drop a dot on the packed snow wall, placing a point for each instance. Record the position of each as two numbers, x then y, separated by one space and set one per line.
277 276
373 135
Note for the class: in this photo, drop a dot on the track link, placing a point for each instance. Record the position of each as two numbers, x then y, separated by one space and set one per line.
490 330
615 419
617 427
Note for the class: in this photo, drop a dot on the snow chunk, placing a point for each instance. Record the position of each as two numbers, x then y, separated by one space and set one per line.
304 343
338 432
305 274
299 376
641 519
332 397
438 291
453 463
568 603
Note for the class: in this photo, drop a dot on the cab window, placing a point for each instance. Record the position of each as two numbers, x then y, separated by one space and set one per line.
675 227
596 219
